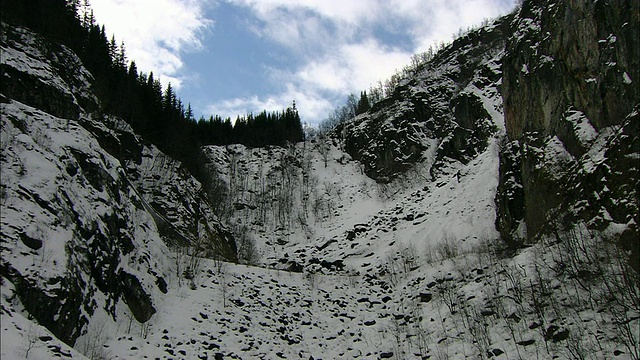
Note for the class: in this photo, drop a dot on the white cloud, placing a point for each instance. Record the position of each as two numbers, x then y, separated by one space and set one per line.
351 67
435 21
309 26
350 12
338 47
155 32
309 104
294 22
316 85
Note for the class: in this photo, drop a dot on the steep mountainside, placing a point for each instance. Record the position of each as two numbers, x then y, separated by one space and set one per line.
488 208
446 111
571 112
85 203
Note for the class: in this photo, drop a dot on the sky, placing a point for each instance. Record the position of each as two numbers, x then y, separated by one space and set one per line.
233 57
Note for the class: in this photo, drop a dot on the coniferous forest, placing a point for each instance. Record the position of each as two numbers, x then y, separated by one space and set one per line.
158 114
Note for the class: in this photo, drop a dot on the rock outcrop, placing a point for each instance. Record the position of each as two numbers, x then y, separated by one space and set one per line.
88 208
530 123
570 84
438 113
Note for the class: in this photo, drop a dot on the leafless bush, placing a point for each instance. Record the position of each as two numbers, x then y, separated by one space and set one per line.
409 257
247 251
601 271
181 262
477 328
32 340
448 295
579 347
429 255
447 248
352 277
92 343
397 330
422 336
223 279
312 280
399 262
515 276
324 150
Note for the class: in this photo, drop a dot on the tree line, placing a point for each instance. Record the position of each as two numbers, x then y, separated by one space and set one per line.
157 114
265 128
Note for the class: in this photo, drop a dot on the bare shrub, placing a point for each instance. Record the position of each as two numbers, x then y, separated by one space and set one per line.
449 295
223 279
601 271
447 248
399 262
352 277
429 255
312 279
514 276
247 251
32 340
92 343
478 329
577 346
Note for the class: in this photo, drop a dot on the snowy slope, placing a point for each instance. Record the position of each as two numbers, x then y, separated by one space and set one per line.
349 216
80 230
71 226
22 338
336 265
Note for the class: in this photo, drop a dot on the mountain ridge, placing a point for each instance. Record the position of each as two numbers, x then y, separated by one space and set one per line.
427 227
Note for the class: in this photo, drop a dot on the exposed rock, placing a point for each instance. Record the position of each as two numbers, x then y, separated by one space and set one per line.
425 297
63 318
582 65
136 297
43 87
526 342
32 243
437 112
562 95
84 199
510 195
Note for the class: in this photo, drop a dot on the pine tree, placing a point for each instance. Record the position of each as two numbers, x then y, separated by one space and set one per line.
113 49
363 103
121 60
169 99
188 115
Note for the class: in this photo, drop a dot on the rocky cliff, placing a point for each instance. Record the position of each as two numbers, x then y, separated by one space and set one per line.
571 95
87 205
386 239
446 109
557 82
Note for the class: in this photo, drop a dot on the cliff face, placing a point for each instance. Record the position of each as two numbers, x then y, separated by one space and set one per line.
530 124
88 208
446 110
571 54
570 90
557 81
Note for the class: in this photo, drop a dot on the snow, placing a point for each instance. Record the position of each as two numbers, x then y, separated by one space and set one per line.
47 166
556 157
22 338
582 128
30 55
254 311
421 274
